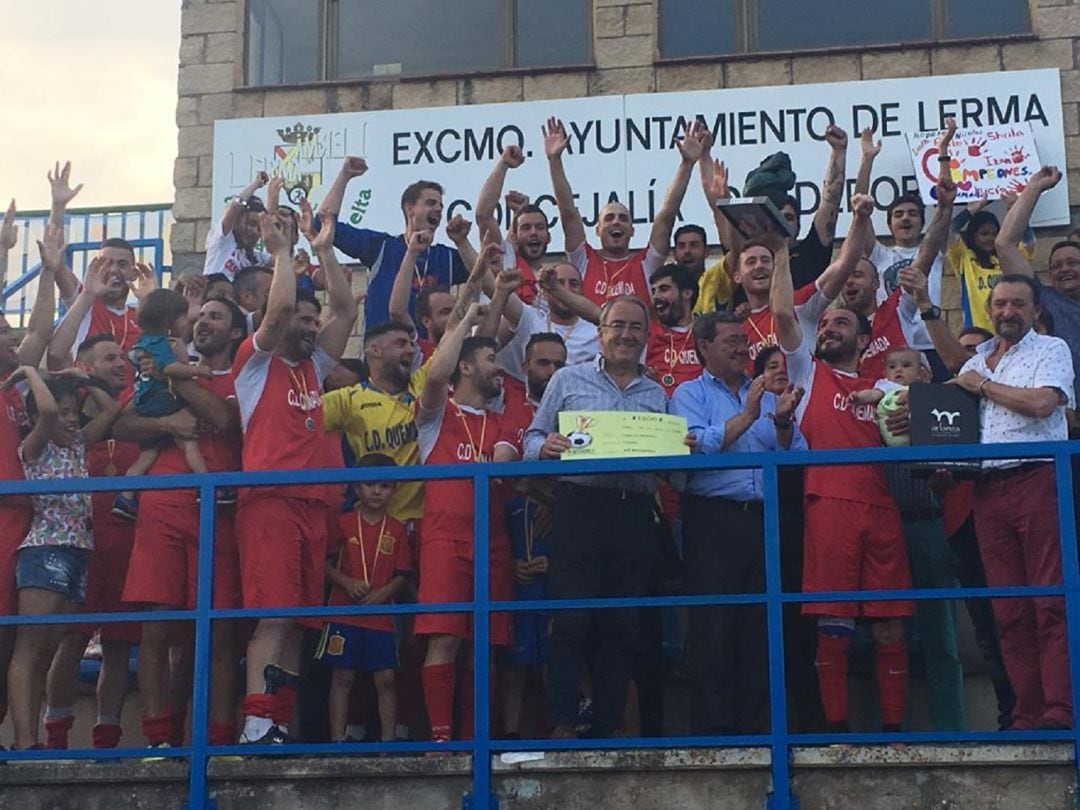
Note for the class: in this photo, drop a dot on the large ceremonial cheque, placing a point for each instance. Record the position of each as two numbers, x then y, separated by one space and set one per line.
621 146
622 434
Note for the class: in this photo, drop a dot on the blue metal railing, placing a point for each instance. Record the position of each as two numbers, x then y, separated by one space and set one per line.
146 227
779 739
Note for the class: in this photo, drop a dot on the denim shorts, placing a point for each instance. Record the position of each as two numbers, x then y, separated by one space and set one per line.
61 569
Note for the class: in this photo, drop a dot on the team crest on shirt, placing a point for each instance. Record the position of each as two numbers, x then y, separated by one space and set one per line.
335 644
387 542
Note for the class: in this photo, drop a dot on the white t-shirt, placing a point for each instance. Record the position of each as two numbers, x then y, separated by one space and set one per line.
223 255
889 261
582 340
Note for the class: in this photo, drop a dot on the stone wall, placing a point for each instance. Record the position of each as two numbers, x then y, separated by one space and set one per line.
211 79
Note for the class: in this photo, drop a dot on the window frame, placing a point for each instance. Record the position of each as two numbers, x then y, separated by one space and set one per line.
327 55
746 16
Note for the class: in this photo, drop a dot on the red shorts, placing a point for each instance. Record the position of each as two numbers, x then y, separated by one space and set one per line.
164 567
105 576
14 525
446 575
282 545
852 546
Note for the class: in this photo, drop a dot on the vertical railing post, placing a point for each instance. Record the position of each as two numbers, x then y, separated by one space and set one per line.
1071 574
198 797
481 760
780 798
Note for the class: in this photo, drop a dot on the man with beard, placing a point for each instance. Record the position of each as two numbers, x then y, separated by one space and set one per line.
545 353
458 428
378 415
382 253
231 241
434 305
670 354
15 510
527 233
603 543
615 269
1024 381
163 571
853 535
726 411
561 285
250 288
281 531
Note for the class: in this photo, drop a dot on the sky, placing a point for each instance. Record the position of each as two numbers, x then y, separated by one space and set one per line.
93 82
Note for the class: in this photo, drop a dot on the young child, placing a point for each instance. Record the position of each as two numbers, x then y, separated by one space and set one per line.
903 367
163 318
531 648
50 570
371 568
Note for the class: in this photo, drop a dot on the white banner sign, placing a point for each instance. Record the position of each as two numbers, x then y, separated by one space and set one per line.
985 162
622 146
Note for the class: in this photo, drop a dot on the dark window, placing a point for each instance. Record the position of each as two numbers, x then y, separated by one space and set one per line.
719 27
292 41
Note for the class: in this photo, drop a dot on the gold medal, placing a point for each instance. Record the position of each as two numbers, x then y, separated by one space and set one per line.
110 469
668 380
309 423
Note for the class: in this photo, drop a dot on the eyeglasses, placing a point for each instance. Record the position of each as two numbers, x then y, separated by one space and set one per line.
623 326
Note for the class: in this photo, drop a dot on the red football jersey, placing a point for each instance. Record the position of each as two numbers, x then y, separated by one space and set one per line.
518 409
458 435
830 421
609 278
220 451
282 415
375 553
886 334
107 458
526 290
761 331
671 354
13 423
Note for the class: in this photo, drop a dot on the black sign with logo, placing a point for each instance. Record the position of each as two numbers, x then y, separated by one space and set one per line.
944 415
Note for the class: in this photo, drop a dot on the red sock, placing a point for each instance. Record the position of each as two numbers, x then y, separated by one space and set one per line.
176 728
56 732
832 670
106 735
222 733
466 706
284 704
891 666
439 698
260 704
157 728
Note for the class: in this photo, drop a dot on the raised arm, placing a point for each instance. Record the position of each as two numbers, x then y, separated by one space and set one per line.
63 339
555 143
511 158
39 329
714 185
442 364
869 149
949 348
937 233
833 187
578 304
100 426
484 267
859 240
1017 219
690 149
782 300
330 206
9 237
235 206
281 300
457 230
62 194
335 332
47 412
506 282
401 292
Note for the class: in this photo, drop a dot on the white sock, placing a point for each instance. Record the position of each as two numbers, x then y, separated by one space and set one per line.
256 727
356 730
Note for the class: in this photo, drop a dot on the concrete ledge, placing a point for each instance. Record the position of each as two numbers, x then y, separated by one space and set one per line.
1017 776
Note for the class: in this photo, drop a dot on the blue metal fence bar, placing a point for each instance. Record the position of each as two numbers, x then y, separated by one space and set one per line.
779 796
481 604
200 699
481 618
1071 575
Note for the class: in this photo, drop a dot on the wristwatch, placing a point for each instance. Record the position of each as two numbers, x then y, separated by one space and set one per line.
931 314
